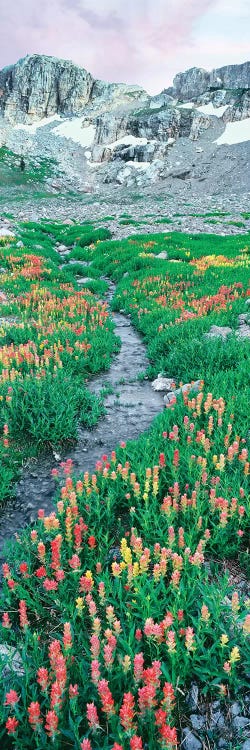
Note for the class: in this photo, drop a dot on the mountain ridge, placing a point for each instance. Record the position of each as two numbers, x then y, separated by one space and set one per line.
105 133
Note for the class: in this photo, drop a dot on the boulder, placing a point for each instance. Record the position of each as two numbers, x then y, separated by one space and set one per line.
219 332
11 661
163 384
190 741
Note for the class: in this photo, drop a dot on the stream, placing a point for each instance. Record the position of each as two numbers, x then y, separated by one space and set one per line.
130 410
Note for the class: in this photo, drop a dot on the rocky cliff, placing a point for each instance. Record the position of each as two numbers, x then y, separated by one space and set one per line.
103 132
39 86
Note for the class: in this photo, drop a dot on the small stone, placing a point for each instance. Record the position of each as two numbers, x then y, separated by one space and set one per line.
193 696
241 724
197 722
19 244
222 744
191 387
6 233
163 255
221 332
68 222
235 709
12 661
163 384
242 318
217 720
190 742
170 398
243 332
61 248
215 705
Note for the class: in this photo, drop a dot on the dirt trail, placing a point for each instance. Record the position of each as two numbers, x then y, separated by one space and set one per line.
129 411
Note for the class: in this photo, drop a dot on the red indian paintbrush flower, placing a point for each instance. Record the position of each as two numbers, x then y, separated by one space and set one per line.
34 715
6 623
6 570
92 716
56 695
11 725
127 711
106 697
50 584
169 736
24 622
51 724
92 542
86 745
73 691
23 567
43 678
11 698
136 743
138 666
67 636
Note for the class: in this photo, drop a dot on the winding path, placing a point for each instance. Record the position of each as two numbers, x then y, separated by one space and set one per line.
130 410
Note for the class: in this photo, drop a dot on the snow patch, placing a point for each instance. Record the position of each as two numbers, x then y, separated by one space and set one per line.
188 105
74 130
235 132
209 109
33 126
127 140
139 164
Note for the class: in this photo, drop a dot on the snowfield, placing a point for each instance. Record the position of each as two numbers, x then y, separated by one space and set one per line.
210 109
74 130
235 132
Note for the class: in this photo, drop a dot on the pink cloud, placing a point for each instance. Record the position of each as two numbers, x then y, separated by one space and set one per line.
144 42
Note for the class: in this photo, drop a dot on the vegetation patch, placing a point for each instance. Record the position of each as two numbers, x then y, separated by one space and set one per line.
54 336
116 602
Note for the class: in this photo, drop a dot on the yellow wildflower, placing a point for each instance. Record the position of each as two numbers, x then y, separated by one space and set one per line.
224 639
79 604
235 655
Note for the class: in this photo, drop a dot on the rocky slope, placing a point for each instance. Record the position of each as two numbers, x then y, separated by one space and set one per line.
114 133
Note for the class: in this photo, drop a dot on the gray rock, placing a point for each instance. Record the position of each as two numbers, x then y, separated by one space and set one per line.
235 709
196 81
19 244
198 722
241 725
190 742
163 384
61 248
193 697
243 332
217 720
246 745
188 387
163 255
6 233
11 661
221 332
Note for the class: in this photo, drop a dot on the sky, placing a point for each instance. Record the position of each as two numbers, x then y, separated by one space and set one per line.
135 41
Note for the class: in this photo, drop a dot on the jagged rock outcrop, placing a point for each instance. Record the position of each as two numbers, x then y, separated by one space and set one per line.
103 132
193 83
39 86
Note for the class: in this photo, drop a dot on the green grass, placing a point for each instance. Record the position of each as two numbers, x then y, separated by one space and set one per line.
131 566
